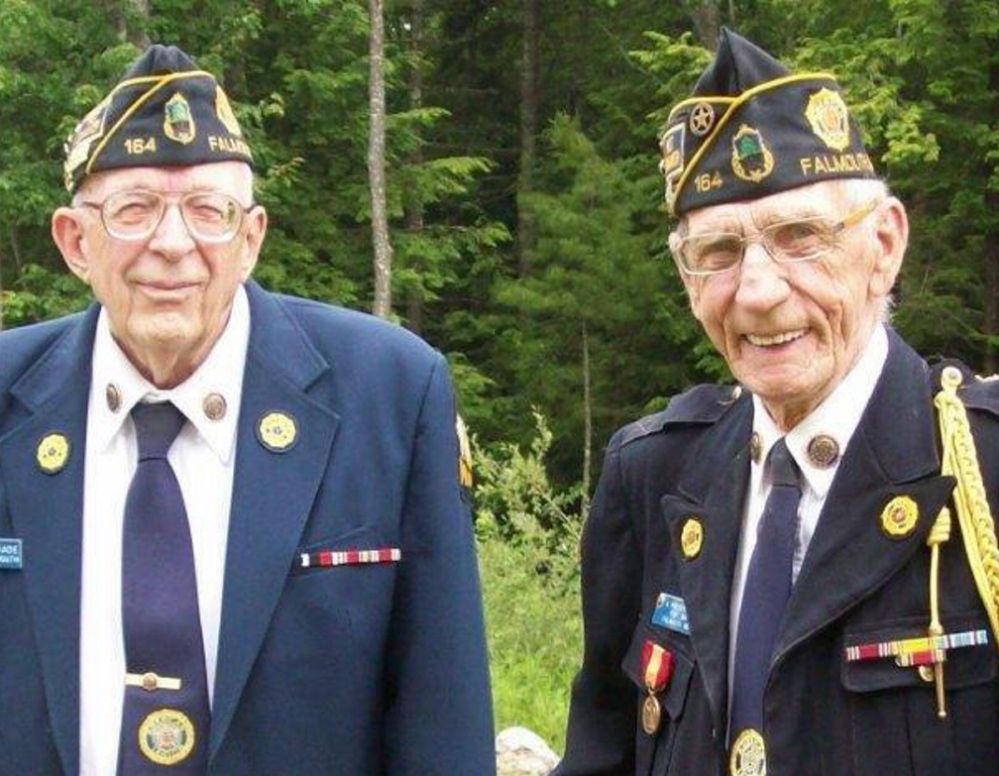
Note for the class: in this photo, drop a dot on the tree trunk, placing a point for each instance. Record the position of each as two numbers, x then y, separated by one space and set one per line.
382 306
136 36
529 100
414 209
990 319
587 426
704 15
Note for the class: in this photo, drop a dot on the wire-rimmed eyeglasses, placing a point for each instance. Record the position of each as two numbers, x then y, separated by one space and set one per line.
210 216
787 242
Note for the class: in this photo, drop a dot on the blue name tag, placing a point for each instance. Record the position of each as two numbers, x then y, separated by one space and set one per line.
671 613
11 557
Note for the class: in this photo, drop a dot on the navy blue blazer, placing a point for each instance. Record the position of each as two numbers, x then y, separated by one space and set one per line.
358 670
823 715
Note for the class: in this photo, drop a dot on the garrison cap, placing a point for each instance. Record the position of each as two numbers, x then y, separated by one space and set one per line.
164 112
752 129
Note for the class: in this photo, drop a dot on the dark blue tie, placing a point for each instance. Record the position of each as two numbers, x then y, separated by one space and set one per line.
165 719
768 588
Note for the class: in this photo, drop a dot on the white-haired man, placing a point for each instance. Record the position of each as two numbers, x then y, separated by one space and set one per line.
758 591
232 535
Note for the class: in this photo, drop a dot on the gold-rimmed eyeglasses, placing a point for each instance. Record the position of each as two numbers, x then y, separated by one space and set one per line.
210 216
787 242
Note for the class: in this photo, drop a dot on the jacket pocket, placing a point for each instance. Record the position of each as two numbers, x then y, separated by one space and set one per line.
653 750
894 710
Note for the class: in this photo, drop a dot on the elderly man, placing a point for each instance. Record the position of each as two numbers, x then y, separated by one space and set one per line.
775 577
232 533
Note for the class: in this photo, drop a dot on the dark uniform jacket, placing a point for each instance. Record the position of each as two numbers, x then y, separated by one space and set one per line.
823 715
352 670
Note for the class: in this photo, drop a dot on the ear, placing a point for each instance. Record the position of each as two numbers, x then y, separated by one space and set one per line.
256 230
68 233
892 237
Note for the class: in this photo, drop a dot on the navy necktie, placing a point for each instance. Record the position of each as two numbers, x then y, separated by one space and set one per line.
165 719
768 588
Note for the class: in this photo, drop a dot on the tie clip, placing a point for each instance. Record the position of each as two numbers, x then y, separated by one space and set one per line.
150 681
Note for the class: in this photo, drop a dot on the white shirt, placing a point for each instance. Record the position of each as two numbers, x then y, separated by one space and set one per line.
202 457
837 416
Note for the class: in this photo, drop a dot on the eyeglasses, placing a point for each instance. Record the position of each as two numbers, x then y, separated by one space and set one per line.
787 242
210 216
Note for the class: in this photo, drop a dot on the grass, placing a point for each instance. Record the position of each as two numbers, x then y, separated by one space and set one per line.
535 634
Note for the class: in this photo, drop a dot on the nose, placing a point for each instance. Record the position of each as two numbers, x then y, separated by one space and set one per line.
763 283
172 238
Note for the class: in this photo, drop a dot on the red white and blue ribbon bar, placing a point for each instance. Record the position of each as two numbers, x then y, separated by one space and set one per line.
917 651
326 558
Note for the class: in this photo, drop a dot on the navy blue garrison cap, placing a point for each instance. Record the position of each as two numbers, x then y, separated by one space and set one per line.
164 112
751 129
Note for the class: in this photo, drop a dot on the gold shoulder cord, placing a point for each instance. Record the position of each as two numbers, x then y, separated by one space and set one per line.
960 460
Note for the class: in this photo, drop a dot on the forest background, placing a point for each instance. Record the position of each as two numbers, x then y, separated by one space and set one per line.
524 211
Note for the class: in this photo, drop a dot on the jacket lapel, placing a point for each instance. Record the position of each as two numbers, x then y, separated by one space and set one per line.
46 513
272 491
712 491
893 453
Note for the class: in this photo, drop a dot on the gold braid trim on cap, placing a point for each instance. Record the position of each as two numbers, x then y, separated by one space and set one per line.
960 459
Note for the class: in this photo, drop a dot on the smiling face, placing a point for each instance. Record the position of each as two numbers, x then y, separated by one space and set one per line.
167 296
791 332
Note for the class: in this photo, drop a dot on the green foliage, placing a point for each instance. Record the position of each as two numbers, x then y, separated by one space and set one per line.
528 534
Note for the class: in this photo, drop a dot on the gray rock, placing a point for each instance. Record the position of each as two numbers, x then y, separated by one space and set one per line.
520 752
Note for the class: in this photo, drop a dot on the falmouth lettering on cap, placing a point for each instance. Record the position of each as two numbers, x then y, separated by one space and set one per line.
751 128
164 112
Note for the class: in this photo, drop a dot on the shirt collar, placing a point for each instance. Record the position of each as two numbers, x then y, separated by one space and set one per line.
221 373
837 416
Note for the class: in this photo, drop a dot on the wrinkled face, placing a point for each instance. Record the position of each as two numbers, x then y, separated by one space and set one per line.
167 296
791 332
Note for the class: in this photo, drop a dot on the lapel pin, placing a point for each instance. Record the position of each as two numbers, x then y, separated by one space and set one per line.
52 453
277 431
11 555
898 518
755 447
823 451
112 395
691 538
214 406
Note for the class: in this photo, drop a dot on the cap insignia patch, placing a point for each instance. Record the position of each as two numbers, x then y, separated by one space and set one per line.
828 117
702 118
224 111
751 159
87 132
178 123
671 164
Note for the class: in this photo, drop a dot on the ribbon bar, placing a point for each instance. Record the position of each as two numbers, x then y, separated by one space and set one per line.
918 651
327 558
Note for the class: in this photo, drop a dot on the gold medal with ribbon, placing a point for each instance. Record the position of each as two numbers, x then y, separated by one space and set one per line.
657 670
